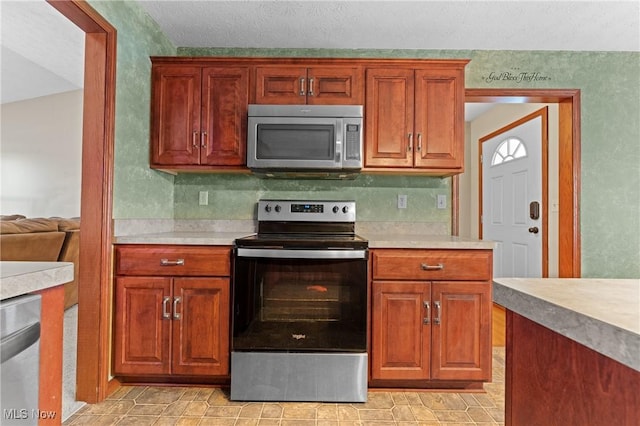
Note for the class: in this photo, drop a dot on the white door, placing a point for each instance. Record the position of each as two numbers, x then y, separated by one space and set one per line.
511 187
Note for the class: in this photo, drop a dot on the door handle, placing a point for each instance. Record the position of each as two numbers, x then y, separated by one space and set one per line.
302 91
427 308
436 320
534 230
165 308
176 314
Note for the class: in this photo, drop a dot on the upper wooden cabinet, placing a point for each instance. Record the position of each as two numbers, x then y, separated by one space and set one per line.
414 108
199 116
414 119
329 85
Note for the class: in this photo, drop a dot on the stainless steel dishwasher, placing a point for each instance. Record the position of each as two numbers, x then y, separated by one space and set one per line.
20 354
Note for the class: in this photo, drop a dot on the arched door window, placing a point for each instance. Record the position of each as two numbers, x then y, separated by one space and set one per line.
508 150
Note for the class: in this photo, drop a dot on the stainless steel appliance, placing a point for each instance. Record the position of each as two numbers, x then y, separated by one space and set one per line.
300 305
305 140
20 355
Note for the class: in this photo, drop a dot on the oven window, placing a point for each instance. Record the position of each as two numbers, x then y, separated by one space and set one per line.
295 142
300 305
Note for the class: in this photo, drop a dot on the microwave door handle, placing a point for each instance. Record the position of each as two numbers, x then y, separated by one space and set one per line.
339 134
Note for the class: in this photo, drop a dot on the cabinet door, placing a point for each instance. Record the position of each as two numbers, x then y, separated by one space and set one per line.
461 330
281 85
201 326
389 118
335 86
439 119
142 325
175 115
401 332
225 97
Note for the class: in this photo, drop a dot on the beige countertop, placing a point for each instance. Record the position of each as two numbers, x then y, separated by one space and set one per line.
602 314
18 278
376 240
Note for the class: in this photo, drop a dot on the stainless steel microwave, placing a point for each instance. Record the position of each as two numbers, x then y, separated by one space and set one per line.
305 140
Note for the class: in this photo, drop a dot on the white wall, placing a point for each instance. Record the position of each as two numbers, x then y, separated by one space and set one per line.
41 156
496 118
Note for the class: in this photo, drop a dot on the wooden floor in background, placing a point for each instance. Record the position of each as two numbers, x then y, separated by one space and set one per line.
499 325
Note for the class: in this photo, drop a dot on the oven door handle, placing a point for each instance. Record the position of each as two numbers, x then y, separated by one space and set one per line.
301 254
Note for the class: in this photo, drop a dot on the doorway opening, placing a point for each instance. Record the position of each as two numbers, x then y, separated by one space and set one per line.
96 198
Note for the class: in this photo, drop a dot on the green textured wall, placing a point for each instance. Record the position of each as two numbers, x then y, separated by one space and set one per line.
138 190
234 196
610 94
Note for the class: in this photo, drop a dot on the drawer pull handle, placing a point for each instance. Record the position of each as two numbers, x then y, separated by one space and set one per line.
167 262
427 308
436 320
165 305
176 314
426 267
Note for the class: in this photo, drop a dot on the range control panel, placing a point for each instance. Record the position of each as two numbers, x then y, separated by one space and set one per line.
307 211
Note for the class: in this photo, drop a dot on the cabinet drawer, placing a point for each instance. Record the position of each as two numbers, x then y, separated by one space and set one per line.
172 260
432 264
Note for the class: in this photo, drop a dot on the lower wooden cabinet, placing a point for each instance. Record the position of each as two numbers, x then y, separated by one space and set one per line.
171 325
428 331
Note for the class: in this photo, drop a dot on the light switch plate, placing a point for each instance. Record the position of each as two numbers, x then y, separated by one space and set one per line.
442 201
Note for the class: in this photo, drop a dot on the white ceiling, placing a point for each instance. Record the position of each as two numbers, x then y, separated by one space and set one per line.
483 25
43 53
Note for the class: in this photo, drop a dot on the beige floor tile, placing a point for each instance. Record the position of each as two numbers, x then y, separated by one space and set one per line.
191 406
251 410
228 411
272 411
375 414
175 408
403 413
137 421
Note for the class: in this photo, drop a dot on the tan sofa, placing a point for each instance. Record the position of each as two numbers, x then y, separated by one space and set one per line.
43 239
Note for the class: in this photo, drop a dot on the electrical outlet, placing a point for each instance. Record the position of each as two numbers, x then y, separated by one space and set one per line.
442 201
203 198
402 201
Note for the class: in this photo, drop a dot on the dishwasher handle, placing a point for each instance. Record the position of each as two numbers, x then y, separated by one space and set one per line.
18 341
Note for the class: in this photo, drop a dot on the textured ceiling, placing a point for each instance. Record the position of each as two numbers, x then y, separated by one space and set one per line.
483 25
43 53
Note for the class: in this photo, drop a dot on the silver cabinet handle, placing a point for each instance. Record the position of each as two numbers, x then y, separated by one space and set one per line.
194 140
203 139
165 308
167 262
436 320
427 308
410 146
427 267
302 92
419 141
176 314
311 87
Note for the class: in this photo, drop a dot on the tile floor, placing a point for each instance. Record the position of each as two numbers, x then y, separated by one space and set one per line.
145 405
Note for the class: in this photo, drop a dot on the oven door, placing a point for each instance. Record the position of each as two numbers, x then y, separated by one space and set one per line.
300 300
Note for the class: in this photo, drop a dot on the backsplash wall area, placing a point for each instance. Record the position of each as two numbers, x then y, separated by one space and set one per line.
234 196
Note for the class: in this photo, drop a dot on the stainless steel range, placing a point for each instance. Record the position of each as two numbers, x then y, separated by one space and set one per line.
300 305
